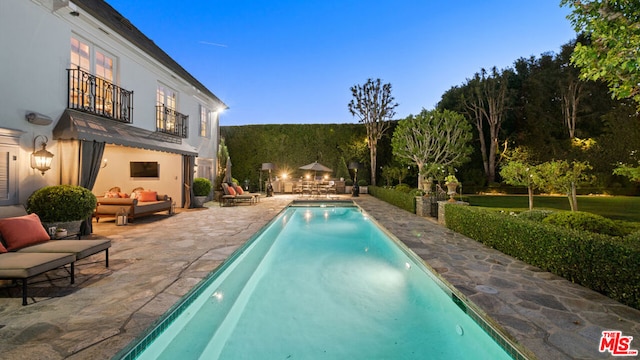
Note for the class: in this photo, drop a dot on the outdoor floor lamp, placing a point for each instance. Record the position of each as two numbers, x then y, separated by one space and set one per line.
41 159
269 166
355 190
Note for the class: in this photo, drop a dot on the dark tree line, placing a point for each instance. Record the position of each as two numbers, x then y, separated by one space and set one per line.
541 104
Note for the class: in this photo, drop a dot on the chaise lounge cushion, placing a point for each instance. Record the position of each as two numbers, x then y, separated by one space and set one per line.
22 231
23 265
81 248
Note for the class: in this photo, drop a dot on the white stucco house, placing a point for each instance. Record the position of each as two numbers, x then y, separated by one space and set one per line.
112 107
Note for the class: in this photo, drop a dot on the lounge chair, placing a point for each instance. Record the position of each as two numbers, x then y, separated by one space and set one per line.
31 252
239 191
22 266
232 196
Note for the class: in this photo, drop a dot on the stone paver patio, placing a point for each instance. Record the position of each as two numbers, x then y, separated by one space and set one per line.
156 260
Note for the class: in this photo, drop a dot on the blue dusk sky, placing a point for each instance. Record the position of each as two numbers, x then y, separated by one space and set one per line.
294 62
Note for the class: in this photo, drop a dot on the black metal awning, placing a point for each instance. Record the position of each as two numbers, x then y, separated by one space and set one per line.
78 125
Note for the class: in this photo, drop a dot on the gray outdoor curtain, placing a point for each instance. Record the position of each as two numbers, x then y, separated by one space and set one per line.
188 163
90 160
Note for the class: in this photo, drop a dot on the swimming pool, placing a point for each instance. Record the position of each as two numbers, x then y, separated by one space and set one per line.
322 282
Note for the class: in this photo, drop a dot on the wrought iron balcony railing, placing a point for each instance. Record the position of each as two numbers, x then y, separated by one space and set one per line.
98 96
171 122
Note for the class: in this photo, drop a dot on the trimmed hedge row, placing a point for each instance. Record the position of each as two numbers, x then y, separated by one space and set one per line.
400 199
609 265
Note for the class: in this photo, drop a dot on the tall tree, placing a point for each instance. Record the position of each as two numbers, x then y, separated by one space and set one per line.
373 104
612 54
432 139
562 176
487 103
520 171
571 90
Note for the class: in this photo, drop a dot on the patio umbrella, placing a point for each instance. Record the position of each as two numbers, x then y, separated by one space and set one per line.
315 167
227 173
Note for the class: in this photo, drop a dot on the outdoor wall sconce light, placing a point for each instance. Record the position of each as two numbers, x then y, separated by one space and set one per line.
37 118
41 159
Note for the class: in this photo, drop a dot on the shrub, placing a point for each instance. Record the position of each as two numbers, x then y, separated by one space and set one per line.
398 198
417 192
580 220
362 182
348 182
535 215
201 186
603 263
627 227
633 238
403 188
61 203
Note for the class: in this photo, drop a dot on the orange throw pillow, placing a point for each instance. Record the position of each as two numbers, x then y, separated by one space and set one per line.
239 190
22 231
232 191
147 196
2 249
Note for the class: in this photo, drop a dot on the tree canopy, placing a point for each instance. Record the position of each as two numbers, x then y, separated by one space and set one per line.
611 54
374 106
432 139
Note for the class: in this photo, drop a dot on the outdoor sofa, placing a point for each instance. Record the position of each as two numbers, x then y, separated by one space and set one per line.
26 249
139 203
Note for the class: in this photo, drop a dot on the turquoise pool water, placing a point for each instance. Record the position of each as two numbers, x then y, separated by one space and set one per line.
321 282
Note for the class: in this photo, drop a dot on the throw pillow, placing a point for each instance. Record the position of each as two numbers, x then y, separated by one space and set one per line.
147 196
239 189
3 249
111 194
22 231
232 191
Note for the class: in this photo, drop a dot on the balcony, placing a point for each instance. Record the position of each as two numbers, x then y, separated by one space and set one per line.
171 122
96 95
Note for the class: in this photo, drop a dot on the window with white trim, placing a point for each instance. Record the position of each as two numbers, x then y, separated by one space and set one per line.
101 74
205 120
166 101
9 149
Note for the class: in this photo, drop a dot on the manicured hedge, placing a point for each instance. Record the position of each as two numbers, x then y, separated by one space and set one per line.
609 265
400 199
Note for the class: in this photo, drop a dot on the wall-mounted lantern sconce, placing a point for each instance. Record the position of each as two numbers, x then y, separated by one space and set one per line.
41 159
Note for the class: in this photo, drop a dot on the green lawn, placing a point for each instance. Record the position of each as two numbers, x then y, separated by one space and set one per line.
626 208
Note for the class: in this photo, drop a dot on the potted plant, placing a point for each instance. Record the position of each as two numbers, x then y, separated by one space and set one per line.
362 184
201 189
452 184
62 206
348 186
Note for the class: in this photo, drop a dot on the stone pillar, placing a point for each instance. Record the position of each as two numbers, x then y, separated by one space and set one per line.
422 206
441 204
